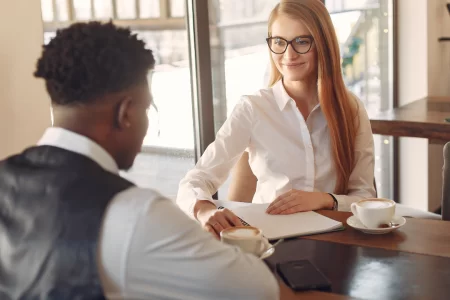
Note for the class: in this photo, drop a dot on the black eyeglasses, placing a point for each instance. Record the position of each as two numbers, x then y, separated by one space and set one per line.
301 44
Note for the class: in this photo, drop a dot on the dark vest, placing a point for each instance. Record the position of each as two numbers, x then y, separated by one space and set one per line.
52 203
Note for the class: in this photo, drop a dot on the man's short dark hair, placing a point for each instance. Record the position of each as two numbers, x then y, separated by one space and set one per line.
89 60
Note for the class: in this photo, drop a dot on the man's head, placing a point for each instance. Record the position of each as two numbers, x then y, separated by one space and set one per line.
96 75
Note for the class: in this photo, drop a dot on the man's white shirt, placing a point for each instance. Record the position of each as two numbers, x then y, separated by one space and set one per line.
149 249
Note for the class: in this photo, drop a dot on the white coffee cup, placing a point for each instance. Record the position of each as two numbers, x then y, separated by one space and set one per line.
374 212
249 239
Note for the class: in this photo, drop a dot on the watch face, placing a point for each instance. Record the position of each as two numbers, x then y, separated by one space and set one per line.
335 205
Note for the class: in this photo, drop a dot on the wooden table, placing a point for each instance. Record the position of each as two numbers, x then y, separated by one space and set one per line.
413 260
424 118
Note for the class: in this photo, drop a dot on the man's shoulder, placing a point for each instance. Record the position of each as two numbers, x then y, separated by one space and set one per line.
135 199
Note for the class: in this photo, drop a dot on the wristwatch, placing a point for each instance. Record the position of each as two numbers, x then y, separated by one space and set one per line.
335 203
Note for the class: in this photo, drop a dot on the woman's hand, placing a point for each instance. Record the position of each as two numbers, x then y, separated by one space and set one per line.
296 201
215 220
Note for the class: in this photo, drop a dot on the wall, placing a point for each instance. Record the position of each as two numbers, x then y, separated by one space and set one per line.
423 70
24 105
412 85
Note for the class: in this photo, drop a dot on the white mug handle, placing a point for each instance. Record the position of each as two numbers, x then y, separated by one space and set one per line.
353 209
263 245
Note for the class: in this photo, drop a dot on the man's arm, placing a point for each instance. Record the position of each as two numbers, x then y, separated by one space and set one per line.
150 249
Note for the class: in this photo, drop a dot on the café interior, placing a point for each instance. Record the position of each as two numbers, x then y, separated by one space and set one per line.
395 57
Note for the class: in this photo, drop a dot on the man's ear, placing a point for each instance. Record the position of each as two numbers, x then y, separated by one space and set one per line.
123 115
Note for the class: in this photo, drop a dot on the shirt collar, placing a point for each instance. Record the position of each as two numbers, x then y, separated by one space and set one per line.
71 141
281 96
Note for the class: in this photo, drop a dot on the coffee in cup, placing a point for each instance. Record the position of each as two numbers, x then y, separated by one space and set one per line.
249 239
374 212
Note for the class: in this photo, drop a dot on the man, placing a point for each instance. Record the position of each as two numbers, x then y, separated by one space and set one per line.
71 227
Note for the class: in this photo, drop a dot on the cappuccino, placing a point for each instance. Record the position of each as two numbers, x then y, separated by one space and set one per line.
375 203
249 239
242 233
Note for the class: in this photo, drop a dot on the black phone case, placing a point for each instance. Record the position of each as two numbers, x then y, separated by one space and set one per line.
301 275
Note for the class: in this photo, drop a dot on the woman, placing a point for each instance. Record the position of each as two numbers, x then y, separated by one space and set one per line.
309 139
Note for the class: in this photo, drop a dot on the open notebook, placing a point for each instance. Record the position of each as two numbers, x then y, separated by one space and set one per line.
281 226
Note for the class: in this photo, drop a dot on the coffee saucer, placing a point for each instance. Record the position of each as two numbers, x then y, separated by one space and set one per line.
355 223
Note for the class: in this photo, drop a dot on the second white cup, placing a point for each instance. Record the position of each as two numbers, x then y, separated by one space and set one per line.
374 212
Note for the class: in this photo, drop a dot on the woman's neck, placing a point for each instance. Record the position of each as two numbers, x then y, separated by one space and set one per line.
304 93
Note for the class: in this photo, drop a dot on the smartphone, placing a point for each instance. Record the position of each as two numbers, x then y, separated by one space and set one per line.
302 275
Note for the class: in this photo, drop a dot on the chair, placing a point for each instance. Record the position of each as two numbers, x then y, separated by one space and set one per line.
445 200
243 181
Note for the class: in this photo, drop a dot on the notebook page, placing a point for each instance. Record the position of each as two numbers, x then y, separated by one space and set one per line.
284 226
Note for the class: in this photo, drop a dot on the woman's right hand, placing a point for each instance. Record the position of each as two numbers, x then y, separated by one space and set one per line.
215 220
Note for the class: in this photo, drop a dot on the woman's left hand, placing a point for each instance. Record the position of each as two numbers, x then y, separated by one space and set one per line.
296 201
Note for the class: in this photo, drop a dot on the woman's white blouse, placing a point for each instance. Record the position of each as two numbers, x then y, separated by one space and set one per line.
285 152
